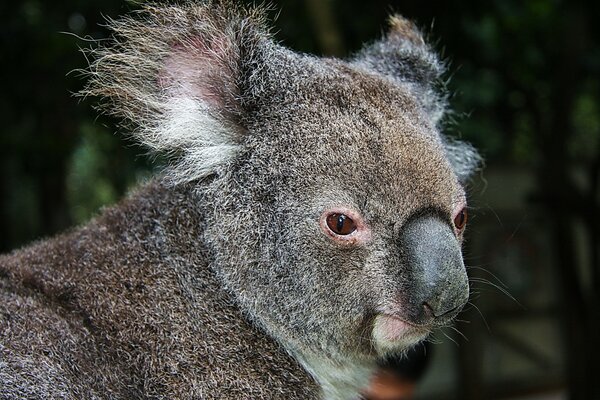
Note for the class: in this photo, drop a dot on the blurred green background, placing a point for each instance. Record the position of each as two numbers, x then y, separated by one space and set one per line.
526 91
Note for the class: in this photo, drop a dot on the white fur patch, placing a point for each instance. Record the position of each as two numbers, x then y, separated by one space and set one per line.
392 335
201 140
339 381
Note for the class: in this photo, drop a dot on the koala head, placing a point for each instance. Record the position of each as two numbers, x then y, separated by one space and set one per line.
334 207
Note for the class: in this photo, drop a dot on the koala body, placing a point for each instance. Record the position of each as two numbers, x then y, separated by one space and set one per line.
310 222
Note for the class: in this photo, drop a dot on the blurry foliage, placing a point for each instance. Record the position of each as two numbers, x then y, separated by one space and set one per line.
47 180
96 175
586 125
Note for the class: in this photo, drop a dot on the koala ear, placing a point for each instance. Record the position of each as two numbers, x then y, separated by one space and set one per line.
179 75
403 55
463 158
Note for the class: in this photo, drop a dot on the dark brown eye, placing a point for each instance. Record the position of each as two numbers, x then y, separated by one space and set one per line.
340 224
461 219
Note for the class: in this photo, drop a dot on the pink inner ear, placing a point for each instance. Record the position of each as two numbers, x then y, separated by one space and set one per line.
198 69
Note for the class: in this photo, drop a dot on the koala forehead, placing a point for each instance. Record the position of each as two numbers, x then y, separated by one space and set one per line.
337 128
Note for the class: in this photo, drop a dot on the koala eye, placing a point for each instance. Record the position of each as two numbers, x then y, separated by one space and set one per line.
461 219
340 224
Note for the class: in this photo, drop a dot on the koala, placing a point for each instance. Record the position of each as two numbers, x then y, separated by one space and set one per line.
309 222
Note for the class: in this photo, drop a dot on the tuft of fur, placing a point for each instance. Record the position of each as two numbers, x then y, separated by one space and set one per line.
404 56
149 76
220 280
463 157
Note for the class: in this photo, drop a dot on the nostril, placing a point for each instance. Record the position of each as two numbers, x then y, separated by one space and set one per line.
431 313
451 311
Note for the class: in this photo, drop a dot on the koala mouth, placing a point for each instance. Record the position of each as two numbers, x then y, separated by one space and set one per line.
393 333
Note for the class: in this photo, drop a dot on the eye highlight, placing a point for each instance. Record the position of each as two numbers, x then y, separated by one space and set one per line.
340 224
461 219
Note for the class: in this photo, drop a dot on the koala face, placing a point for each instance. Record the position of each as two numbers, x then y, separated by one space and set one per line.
362 213
333 205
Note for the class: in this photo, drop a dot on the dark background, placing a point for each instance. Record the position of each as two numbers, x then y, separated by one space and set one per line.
525 82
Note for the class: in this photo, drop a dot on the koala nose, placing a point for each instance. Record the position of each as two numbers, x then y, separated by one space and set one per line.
439 283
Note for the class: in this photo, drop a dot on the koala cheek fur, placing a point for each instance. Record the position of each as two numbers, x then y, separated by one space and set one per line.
308 224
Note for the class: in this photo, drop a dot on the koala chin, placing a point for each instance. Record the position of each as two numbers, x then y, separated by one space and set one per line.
310 221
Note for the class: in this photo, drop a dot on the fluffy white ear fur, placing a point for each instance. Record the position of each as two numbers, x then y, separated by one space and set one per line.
200 140
173 74
198 89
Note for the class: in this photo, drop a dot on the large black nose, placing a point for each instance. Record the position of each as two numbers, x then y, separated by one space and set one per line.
439 286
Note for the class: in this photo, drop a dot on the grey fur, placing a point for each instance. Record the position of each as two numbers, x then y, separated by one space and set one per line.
217 280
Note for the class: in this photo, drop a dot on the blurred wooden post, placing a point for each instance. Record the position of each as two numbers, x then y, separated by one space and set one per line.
580 311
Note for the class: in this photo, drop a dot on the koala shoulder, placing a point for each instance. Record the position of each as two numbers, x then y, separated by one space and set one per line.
127 307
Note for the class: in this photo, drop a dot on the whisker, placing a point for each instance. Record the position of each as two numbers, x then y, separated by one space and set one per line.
514 232
454 341
501 289
495 214
482 317
432 339
459 332
479 268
